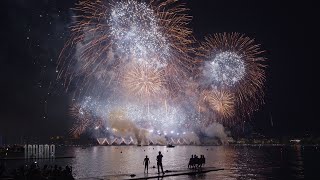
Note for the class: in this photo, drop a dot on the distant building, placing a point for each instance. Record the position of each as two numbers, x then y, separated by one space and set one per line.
295 141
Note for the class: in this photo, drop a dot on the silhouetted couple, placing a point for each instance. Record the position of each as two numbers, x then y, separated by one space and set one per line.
146 162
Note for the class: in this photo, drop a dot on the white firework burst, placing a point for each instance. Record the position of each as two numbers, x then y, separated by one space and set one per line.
225 68
136 32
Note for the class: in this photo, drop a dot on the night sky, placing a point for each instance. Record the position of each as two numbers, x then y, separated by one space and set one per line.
32 104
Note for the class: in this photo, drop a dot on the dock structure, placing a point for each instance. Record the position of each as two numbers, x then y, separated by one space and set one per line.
168 173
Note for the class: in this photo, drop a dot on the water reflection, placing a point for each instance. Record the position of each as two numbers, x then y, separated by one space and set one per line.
238 162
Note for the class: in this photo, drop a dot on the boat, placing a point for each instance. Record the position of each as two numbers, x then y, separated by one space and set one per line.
170 146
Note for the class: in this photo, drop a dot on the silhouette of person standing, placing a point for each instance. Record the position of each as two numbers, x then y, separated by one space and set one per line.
159 162
190 162
146 162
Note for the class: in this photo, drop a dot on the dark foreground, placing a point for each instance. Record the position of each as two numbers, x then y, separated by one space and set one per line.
35 172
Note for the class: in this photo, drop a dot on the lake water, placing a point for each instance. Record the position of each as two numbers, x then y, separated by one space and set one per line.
238 162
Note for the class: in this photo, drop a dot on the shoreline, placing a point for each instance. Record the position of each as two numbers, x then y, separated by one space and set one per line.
24 158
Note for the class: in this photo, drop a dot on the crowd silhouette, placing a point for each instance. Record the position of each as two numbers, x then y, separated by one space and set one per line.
34 172
195 162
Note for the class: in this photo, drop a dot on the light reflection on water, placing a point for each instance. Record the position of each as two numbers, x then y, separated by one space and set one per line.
238 162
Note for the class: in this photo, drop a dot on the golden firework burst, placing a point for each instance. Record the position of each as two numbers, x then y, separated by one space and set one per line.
143 81
220 101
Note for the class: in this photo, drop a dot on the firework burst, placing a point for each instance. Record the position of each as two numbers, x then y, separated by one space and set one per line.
234 62
84 120
135 29
106 35
222 102
143 81
144 48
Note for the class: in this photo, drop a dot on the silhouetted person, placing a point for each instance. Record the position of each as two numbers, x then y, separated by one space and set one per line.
196 161
202 160
190 162
193 161
146 162
159 162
